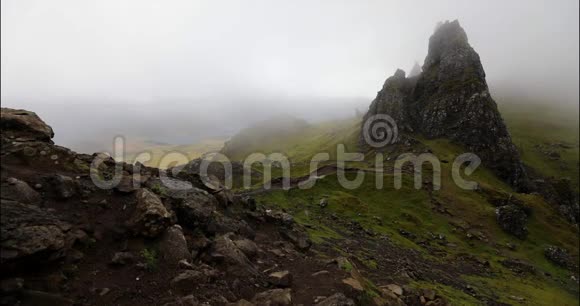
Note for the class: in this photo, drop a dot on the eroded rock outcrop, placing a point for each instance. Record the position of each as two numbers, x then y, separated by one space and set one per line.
451 99
23 125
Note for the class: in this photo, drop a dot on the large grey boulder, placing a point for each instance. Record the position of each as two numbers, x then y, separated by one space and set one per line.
150 218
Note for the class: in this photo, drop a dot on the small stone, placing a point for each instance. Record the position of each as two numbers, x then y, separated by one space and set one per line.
319 273
185 265
429 294
122 258
281 279
280 297
396 289
353 283
104 291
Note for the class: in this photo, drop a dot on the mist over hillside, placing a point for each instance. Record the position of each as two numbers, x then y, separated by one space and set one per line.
189 75
279 153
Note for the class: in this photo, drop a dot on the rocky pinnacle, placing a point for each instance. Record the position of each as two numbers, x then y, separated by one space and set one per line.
450 99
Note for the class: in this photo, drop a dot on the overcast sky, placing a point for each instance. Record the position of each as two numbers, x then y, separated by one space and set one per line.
177 71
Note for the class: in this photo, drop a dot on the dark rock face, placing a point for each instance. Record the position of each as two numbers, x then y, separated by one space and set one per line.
451 99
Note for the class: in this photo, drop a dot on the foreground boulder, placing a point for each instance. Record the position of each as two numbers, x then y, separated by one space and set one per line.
173 246
195 209
150 218
30 231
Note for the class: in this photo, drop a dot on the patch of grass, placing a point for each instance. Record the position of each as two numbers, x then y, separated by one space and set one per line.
150 259
158 189
535 125
346 265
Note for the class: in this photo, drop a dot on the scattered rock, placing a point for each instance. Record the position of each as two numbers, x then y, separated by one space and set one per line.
188 280
278 217
512 219
337 299
518 266
173 246
184 265
298 237
248 247
274 297
196 209
353 283
559 256
280 279
429 294
150 218
122 258
320 273
226 252
396 289
104 291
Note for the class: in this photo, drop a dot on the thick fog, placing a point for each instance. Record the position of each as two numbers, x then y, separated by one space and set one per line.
180 71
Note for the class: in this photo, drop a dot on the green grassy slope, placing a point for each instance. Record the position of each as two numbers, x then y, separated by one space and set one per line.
537 130
470 213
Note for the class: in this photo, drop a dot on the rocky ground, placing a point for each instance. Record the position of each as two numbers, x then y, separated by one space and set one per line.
67 242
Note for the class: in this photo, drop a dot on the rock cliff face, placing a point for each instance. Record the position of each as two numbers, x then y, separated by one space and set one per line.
451 99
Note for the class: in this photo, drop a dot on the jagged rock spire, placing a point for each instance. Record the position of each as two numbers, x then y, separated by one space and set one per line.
451 99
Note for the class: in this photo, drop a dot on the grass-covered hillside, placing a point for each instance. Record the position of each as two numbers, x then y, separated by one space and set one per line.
453 231
137 152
